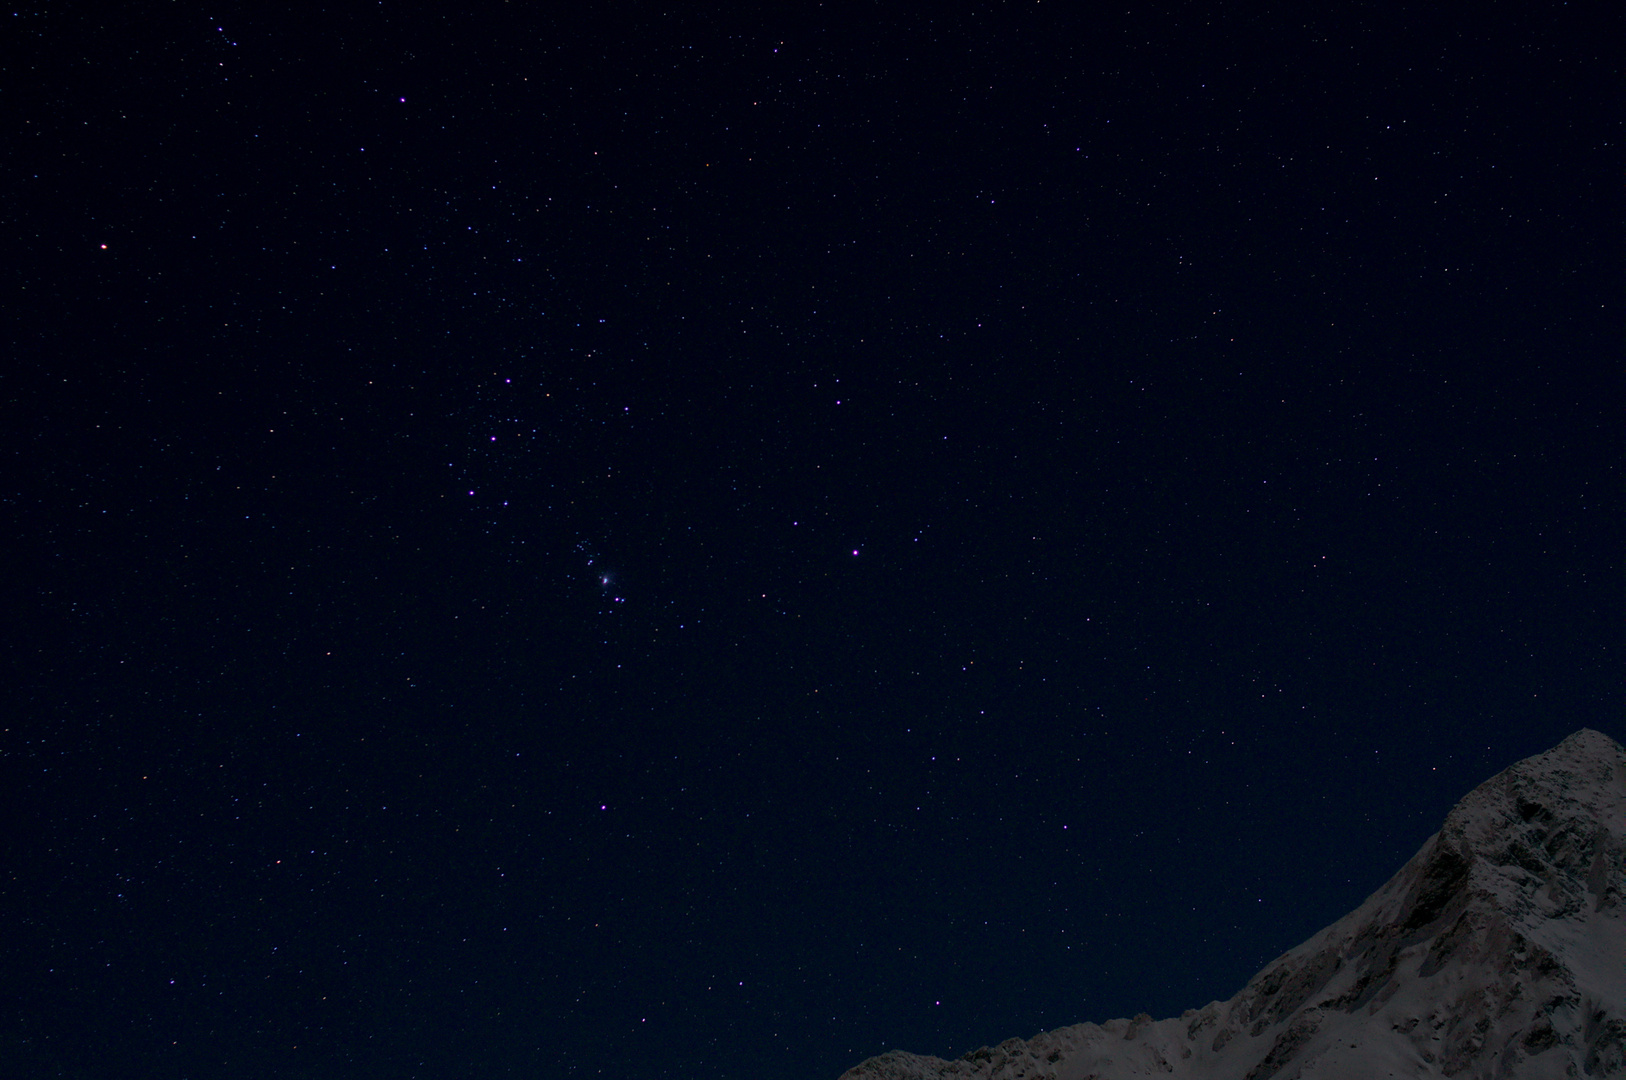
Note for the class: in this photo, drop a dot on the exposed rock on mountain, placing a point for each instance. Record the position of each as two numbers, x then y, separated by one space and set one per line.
1499 950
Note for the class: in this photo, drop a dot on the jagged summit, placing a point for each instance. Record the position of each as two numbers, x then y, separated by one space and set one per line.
1498 950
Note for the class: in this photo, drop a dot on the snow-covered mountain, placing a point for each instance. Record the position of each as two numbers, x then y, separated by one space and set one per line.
1499 950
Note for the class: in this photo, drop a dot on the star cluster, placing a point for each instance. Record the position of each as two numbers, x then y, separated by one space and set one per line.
554 544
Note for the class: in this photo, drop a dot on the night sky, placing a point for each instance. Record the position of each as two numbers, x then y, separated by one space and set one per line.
673 543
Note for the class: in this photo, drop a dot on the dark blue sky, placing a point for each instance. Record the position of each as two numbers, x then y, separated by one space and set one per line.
706 545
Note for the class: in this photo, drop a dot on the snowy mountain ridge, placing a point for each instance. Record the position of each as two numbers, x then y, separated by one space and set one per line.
1498 950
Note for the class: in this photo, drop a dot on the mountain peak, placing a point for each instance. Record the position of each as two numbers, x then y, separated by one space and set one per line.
1498 950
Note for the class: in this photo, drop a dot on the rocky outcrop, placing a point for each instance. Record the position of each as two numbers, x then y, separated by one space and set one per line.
1498 951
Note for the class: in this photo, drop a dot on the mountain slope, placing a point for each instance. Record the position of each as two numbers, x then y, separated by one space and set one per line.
1498 950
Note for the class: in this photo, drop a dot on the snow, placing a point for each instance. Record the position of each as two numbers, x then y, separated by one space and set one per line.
1498 950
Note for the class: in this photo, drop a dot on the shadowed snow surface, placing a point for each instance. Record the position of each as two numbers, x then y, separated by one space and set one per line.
1499 950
